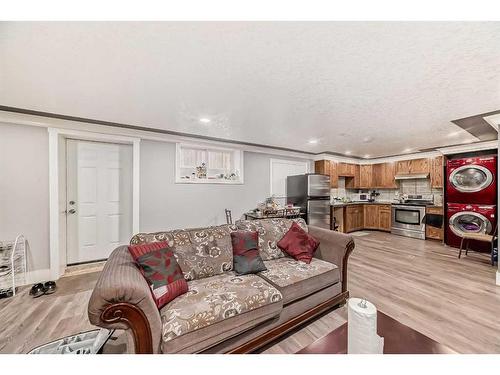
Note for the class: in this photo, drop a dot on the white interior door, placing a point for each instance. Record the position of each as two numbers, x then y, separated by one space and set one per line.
99 199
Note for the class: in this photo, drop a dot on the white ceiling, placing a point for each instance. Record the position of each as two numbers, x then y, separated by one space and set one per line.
372 88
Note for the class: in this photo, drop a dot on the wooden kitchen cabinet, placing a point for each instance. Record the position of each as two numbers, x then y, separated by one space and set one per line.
384 216
388 172
419 166
367 216
370 216
353 182
346 169
433 232
383 175
403 167
328 167
366 176
322 166
437 172
353 218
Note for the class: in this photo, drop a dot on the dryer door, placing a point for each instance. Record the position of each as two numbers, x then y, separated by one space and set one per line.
469 222
471 178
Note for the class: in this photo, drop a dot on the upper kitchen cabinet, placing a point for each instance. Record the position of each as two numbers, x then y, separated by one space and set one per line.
347 170
322 167
366 176
388 173
383 175
334 176
403 167
414 166
353 181
328 167
418 166
437 172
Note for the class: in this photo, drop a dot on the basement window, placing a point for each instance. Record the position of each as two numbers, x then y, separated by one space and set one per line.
201 164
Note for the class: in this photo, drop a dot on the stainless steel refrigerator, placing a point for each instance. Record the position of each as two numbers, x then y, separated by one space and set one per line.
311 192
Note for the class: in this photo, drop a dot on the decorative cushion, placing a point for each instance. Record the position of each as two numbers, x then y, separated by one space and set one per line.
270 232
201 252
298 244
246 258
297 279
137 250
161 271
215 309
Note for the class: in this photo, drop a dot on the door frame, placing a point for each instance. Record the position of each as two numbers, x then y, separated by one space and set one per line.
272 161
57 188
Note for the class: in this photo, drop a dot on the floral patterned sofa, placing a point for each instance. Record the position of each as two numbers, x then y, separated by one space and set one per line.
222 312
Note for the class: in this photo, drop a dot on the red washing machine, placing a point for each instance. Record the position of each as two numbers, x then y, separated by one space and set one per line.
469 218
472 180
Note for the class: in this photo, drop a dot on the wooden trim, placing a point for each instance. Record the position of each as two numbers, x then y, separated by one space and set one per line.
286 327
134 318
349 249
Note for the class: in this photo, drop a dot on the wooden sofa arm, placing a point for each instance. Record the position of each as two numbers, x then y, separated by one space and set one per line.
335 247
122 299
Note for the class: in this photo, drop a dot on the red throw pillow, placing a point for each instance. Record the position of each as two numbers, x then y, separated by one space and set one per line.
137 250
298 243
159 267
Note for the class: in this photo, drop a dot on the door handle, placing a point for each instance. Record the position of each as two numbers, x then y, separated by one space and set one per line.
72 211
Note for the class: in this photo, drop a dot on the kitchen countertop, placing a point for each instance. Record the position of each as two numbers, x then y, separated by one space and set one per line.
344 204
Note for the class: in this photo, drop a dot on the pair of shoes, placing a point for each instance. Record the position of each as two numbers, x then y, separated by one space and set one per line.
40 289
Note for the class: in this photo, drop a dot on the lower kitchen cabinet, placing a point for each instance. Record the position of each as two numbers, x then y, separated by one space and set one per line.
384 217
431 232
370 212
367 216
353 218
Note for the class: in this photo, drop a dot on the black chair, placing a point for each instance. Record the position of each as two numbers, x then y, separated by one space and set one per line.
482 237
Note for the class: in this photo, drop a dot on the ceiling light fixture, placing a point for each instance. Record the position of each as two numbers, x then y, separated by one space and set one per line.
347 152
205 120
453 134
407 150
313 141
366 156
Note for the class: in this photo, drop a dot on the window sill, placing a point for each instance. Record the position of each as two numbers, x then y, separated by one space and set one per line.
209 181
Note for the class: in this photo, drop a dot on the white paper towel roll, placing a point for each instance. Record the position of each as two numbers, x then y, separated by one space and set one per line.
362 335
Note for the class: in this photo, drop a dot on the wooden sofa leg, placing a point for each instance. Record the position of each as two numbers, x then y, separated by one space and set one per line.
135 320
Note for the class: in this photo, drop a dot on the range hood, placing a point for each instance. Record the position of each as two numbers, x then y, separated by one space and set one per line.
415 176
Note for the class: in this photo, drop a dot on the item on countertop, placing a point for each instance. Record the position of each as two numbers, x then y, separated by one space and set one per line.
246 257
298 244
159 267
362 337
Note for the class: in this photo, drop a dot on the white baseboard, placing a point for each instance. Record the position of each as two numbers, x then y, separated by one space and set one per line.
498 277
37 276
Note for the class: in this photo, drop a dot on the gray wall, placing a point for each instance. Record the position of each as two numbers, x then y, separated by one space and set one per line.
24 189
167 205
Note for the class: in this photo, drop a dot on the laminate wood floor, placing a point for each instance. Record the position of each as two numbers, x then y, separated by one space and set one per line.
420 283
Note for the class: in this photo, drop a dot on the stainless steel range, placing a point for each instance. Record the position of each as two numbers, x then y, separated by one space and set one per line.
408 217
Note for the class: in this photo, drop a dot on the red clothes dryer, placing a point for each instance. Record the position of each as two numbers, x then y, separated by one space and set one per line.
472 180
469 218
